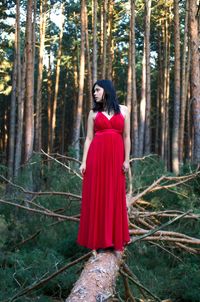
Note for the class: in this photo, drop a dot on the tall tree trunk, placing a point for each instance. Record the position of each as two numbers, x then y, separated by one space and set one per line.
90 100
63 123
165 154
147 143
134 105
49 97
20 101
53 135
29 119
38 120
94 34
195 78
159 96
104 54
13 103
183 86
143 97
129 76
21 83
76 135
176 112
110 47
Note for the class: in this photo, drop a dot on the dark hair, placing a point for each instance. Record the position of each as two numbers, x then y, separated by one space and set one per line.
110 99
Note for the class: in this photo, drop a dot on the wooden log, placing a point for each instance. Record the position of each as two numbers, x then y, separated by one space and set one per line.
97 280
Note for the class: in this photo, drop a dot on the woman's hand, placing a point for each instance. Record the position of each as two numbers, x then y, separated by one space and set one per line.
82 168
126 166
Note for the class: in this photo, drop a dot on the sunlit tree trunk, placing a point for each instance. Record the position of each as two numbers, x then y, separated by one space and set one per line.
104 54
29 109
147 143
20 100
129 76
195 78
184 85
13 103
63 120
110 39
159 96
55 99
49 98
38 120
142 103
94 35
76 135
176 111
134 105
90 100
165 62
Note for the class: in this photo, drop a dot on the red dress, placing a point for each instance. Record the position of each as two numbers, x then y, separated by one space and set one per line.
104 221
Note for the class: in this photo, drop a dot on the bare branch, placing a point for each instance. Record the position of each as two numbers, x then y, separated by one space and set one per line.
40 212
40 193
45 280
65 166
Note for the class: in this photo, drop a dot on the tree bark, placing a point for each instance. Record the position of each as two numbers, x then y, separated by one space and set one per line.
184 85
176 111
104 53
147 143
90 100
76 135
49 97
20 98
38 120
29 119
195 78
97 280
143 100
13 103
53 125
134 105
110 47
94 52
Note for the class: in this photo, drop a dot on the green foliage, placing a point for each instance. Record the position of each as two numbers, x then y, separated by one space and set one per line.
33 246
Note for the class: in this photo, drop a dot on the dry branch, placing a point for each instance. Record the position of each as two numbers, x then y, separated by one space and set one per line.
65 166
41 193
155 185
51 214
45 280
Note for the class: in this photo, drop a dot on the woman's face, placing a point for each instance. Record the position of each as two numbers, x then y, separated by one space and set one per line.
98 93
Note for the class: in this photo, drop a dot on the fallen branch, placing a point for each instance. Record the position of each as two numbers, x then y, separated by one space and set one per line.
40 193
51 214
45 280
151 232
140 285
65 166
155 187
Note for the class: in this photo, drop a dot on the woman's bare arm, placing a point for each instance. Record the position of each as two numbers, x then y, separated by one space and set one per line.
126 136
88 140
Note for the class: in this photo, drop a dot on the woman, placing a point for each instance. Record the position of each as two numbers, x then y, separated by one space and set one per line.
103 222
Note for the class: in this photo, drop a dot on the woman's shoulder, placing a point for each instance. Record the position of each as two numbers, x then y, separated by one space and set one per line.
124 110
92 114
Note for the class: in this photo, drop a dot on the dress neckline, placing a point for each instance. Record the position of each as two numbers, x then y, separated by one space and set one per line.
107 115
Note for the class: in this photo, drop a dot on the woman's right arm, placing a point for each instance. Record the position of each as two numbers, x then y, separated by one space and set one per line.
88 140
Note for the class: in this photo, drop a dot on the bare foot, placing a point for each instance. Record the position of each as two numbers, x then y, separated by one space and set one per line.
118 254
94 253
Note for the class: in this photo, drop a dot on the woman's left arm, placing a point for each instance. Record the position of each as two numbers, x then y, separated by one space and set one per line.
127 140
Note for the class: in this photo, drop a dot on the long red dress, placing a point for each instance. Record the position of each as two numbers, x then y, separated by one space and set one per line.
104 221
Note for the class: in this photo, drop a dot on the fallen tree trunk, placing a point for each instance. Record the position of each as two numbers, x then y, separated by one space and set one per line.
97 279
